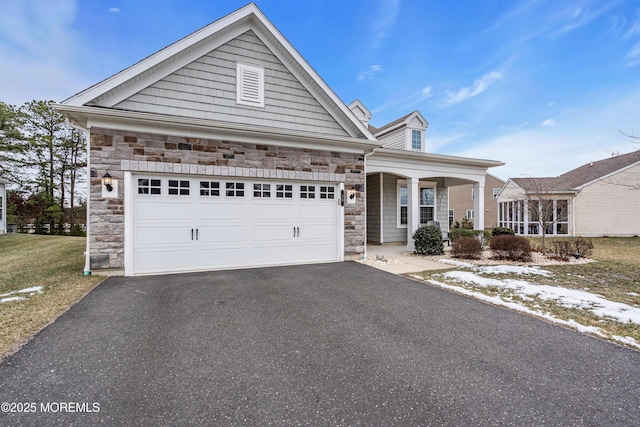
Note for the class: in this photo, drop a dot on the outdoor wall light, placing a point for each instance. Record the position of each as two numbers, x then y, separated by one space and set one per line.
107 181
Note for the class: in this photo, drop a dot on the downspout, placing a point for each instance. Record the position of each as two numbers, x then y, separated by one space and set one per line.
87 253
87 257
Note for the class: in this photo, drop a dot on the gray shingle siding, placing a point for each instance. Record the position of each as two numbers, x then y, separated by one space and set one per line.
373 208
395 139
391 231
206 89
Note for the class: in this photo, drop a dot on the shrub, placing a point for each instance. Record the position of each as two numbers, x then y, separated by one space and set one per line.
482 235
561 250
457 233
499 231
466 247
514 248
428 240
582 247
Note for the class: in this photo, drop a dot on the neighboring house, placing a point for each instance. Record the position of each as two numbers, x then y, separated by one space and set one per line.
461 200
227 150
597 199
3 205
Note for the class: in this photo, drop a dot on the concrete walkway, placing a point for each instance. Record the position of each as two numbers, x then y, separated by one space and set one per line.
400 260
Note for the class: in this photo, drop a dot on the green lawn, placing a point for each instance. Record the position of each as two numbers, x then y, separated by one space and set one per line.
53 262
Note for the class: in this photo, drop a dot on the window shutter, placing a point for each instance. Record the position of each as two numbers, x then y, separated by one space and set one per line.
250 85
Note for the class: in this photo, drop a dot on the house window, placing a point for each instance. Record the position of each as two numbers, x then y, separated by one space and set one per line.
473 194
284 191
210 188
402 205
416 140
149 186
470 214
427 204
262 190
249 85
327 192
451 217
235 189
178 188
307 191
496 191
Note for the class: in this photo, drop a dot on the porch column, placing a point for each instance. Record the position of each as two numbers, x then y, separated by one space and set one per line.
478 206
413 210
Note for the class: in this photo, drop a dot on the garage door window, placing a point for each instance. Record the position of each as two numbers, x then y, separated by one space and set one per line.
210 188
178 188
307 191
327 192
149 186
262 190
235 189
284 191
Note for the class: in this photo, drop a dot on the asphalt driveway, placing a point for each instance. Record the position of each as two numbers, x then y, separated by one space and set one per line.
329 344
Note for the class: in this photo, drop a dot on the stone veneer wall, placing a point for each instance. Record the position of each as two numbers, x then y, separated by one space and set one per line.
117 151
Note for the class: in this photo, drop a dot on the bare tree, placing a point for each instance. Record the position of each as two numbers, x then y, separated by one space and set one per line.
545 205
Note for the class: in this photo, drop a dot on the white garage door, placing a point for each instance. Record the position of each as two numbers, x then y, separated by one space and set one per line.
190 224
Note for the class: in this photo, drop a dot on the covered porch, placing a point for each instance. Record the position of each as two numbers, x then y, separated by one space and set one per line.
405 190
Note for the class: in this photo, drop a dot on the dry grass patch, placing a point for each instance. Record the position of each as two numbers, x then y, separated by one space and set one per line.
53 262
615 275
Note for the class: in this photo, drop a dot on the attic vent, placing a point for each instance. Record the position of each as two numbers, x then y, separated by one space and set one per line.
250 85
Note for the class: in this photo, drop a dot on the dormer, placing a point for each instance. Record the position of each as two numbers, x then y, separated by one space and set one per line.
360 111
406 133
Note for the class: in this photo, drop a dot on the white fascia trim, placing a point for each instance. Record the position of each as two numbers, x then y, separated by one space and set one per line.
420 157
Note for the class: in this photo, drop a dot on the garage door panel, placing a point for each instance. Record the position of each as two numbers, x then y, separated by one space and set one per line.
315 251
221 234
273 254
318 232
146 236
320 211
148 210
228 256
217 211
272 211
263 233
163 260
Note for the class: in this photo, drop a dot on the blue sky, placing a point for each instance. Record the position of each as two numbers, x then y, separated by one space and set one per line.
543 85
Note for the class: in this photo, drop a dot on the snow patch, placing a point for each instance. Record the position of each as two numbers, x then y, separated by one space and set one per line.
31 291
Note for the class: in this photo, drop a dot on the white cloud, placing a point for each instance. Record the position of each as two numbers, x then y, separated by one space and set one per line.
585 133
44 57
406 102
548 122
634 55
372 71
386 15
114 9
479 86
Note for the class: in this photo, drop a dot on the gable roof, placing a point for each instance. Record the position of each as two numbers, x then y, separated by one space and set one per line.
402 121
113 90
581 176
